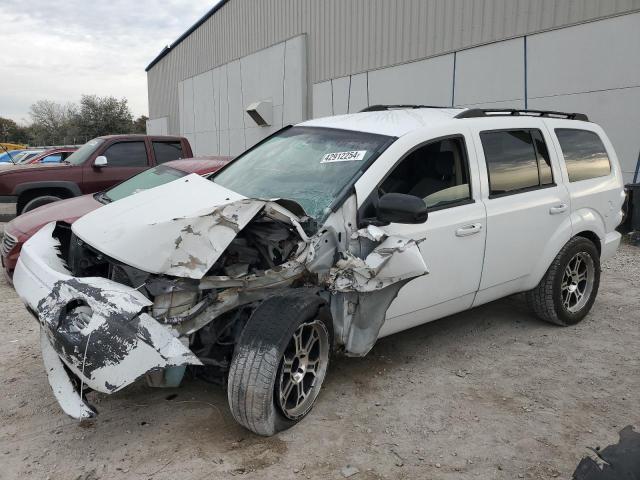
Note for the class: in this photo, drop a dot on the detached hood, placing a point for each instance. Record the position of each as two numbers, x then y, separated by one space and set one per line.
180 228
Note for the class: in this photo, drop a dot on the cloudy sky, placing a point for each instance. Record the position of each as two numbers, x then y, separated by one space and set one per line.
62 49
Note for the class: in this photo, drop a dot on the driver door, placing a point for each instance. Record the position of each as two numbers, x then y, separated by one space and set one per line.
438 171
124 159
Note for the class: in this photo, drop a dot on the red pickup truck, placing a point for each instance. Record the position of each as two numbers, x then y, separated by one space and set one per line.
97 165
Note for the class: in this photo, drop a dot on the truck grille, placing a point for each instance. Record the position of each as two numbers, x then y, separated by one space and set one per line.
8 242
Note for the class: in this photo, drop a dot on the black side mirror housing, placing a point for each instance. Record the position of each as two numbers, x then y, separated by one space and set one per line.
401 208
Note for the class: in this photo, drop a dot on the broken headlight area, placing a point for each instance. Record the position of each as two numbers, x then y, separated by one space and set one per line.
208 313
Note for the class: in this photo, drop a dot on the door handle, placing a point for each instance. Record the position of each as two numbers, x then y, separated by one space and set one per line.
468 230
558 209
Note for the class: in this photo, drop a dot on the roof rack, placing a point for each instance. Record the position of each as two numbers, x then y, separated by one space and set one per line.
380 108
493 112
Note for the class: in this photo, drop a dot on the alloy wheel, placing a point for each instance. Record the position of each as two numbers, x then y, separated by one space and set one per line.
577 282
302 369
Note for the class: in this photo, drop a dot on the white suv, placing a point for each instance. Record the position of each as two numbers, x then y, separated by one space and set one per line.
323 237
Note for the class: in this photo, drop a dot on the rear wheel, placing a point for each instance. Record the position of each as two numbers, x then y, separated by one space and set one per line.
280 362
38 202
568 290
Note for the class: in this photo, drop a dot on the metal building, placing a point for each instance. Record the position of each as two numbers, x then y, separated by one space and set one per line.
296 59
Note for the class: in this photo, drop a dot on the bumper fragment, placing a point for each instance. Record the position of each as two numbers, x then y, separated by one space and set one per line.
96 328
64 390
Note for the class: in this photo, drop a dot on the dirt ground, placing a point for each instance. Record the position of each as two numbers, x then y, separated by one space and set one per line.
492 393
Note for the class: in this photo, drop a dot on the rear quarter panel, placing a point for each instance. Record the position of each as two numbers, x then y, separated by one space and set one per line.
596 203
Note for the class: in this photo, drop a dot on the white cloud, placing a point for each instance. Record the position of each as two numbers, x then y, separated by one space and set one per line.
61 50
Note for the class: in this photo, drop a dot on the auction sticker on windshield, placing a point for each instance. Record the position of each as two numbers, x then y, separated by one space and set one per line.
343 156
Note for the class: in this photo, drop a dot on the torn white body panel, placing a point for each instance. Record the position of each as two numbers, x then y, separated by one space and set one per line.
68 396
394 260
179 228
96 326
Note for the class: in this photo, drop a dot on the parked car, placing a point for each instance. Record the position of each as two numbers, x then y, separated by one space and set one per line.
324 237
52 155
97 165
21 228
4 146
9 156
26 155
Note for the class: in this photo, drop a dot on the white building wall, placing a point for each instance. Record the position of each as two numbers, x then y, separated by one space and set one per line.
212 105
347 37
491 76
157 126
591 68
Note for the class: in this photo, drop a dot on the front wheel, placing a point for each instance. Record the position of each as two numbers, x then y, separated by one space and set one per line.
279 363
566 293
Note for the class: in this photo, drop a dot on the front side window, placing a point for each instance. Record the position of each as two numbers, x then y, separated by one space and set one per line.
143 181
516 160
309 165
84 152
437 172
167 151
126 154
584 154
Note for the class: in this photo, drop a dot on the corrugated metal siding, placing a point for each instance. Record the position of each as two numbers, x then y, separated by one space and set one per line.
351 36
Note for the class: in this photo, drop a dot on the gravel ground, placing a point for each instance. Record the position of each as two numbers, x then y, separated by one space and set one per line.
492 393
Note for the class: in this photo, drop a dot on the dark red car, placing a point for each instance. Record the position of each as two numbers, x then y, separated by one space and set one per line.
21 228
52 155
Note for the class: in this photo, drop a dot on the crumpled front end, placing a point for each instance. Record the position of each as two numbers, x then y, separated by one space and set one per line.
94 332
132 291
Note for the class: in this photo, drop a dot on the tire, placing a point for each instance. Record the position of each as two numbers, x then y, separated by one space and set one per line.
259 372
38 202
567 291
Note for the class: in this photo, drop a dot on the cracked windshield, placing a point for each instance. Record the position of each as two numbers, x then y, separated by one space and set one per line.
309 165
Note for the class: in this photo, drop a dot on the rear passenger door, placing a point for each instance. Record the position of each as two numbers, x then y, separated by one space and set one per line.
591 176
528 210
166 151
124 159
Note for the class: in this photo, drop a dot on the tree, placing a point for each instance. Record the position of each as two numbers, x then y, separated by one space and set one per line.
11 132
140 124
98 116
56 124
51 122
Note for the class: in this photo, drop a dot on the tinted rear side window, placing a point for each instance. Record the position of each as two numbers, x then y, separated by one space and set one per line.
584 154
516 160
167 151
127 154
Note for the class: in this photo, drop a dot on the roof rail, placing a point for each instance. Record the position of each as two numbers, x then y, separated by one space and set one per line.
493 112
380 108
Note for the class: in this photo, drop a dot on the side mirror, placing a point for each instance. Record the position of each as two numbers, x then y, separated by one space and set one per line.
100 161
401 208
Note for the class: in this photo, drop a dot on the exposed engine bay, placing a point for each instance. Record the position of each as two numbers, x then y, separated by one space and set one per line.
262 246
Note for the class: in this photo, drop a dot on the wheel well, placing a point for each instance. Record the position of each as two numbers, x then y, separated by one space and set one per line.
589 235
26 197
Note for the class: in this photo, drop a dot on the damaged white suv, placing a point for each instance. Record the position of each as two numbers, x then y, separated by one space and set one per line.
317 240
